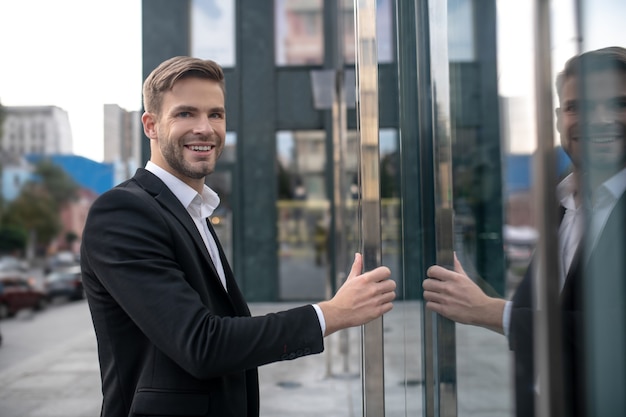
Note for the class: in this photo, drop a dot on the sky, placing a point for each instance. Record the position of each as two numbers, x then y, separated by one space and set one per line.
80 54
74 54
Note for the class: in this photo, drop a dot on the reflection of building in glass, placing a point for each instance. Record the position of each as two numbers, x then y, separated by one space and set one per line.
122 142
302 155
300 26
213 30
517 125
36 129
299 32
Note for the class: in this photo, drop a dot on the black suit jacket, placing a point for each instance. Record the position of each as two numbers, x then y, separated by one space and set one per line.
171 340
610 253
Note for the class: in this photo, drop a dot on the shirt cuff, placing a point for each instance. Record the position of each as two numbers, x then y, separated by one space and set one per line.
506 318
320 317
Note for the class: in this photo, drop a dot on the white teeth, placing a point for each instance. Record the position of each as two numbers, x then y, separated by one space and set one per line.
603 139
201 148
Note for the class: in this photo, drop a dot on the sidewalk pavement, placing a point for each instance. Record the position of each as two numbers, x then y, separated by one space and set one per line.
64 381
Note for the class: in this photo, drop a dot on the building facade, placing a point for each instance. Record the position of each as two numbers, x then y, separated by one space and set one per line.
122 140
42 130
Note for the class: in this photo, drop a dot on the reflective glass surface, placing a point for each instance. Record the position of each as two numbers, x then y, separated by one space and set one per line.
213 31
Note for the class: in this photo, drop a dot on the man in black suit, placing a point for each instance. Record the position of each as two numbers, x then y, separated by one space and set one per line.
175 336
596 129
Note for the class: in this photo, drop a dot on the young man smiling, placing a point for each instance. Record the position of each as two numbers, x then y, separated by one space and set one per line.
175 336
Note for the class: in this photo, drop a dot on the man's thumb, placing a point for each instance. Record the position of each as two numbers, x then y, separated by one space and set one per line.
357 266
457 266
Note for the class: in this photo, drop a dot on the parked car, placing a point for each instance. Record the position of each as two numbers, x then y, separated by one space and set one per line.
17 292
65 282
60 260
11 263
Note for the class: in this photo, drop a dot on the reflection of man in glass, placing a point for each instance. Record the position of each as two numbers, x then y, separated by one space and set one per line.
592 124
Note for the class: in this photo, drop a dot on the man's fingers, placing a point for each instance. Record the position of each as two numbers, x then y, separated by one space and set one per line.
431 285
438 272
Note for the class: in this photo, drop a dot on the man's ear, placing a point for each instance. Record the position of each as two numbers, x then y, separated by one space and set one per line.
557 113
149 125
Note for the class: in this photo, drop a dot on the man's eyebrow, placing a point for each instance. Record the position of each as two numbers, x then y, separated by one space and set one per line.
188 108
184 107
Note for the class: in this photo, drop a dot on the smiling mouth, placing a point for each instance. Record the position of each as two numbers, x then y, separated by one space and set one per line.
603 139
200 148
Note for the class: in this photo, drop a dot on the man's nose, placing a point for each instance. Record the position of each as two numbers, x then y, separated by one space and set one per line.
203 126
600 113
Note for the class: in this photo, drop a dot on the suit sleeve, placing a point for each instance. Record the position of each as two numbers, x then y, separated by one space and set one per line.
134 276
521 326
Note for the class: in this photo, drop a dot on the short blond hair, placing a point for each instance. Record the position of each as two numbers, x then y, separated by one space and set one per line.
163 78
609 58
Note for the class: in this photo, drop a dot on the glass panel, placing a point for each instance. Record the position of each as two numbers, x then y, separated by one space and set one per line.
471 153
213 31
303 215
601 119
384 31
299 32
460 30
300 26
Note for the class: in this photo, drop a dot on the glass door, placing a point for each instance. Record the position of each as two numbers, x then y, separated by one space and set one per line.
453 205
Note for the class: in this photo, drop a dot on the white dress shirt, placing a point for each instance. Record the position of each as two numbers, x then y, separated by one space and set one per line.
199 207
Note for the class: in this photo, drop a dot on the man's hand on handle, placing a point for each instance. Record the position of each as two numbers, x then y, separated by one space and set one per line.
361 298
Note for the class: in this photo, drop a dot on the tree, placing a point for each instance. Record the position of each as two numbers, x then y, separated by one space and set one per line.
60 187
34 211
13 239
70 238
37 208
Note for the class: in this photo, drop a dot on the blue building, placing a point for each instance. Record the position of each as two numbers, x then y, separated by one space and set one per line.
95 176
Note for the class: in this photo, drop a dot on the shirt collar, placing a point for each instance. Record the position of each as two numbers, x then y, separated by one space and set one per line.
565 192
208 200
616 185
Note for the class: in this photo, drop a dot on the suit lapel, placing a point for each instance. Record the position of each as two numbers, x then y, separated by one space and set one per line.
613 223
164 196
233 289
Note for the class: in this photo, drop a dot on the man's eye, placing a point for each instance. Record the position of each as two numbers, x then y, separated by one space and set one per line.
571 107
184 114
216 115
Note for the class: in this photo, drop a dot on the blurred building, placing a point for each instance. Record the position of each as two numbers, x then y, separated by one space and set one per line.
122 140
93 178
97 177
73 218
36 129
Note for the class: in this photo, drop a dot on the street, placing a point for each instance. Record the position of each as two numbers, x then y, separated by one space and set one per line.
30 334
48 363
49 368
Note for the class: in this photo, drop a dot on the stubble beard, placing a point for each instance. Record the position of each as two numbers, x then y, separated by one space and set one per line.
173 155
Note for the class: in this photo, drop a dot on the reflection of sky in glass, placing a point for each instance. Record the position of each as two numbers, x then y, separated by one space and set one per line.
213 31
603 24
388 141
460 31
384 31
284 146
